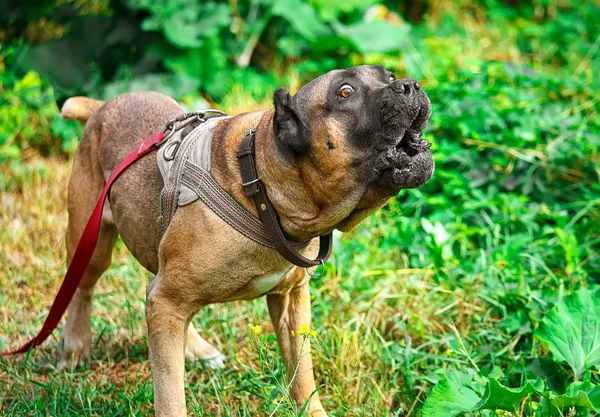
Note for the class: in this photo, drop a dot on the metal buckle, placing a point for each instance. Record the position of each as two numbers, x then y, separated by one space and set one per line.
216 112
313 275
174 124
244 184
170 156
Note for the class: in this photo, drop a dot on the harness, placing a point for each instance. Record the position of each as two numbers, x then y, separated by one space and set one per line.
184 160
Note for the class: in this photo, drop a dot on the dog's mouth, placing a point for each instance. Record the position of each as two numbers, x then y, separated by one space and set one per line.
404 159
408 164
412 143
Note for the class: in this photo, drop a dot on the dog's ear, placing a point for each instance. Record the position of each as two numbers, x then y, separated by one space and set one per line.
291 135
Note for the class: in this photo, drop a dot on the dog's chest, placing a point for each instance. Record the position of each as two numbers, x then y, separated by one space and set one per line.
266 283
262 285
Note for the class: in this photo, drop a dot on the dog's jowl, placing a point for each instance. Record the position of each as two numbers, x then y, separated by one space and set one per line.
329 156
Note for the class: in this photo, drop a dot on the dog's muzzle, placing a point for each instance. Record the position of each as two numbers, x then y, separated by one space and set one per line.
404 159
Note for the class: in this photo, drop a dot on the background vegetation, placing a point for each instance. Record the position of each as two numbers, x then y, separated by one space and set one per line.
481 280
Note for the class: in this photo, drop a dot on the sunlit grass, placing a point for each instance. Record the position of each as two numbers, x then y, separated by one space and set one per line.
371 338
381 332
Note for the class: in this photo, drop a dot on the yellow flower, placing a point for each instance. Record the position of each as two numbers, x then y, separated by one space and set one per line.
293 333
304 330
255 329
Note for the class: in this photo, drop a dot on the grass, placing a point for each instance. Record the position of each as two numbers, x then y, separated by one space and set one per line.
367 348
368 358
383 333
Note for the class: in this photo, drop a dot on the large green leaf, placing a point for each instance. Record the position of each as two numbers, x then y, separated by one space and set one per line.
572 331
375 36
301 16
455 395
188 27
330 9
579 394
498 396
207 65
450 397
185 23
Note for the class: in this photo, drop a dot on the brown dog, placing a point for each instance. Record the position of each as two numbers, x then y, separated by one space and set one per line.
329 156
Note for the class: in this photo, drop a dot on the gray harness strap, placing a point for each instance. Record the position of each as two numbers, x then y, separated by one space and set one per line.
223 205
171 159
185 165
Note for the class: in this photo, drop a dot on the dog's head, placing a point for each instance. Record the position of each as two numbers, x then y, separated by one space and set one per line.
363 120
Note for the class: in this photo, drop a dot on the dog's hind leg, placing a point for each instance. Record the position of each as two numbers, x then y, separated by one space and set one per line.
85 186
198 349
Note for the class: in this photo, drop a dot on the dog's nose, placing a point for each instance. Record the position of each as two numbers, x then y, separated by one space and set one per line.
405 86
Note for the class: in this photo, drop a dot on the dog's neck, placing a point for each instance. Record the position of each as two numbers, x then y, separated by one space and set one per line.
299 210
308 205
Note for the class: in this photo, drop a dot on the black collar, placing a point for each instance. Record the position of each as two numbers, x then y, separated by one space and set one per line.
255 188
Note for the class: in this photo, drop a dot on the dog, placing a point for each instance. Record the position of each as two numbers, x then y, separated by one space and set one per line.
329 156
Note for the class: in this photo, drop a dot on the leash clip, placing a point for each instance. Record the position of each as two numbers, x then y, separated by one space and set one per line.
186 118
190 117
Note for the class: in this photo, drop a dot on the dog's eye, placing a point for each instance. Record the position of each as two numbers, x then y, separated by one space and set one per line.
346 91
392 78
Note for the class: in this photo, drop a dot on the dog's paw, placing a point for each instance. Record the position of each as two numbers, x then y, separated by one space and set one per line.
218 362
198 349
204 353
75 354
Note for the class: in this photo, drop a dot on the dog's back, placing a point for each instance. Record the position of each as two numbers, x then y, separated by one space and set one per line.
112 130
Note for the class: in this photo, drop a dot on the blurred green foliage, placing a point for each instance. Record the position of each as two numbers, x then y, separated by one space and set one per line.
101 48
512 212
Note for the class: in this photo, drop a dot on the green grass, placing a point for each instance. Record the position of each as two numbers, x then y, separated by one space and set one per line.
386 328
360 349
362 363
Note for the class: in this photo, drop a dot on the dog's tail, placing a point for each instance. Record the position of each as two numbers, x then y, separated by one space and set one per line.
79 108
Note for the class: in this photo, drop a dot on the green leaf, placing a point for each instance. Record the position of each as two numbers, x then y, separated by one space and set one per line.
207 64
68 130
455 395
375 36
572 331
189 25
497 396
330 9
579 394
552 373
450 397
9 152
301 16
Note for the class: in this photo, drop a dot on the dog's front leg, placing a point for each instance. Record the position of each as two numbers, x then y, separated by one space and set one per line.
168 318
288 313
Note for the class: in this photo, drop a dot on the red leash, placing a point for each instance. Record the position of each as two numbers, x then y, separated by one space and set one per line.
85 249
